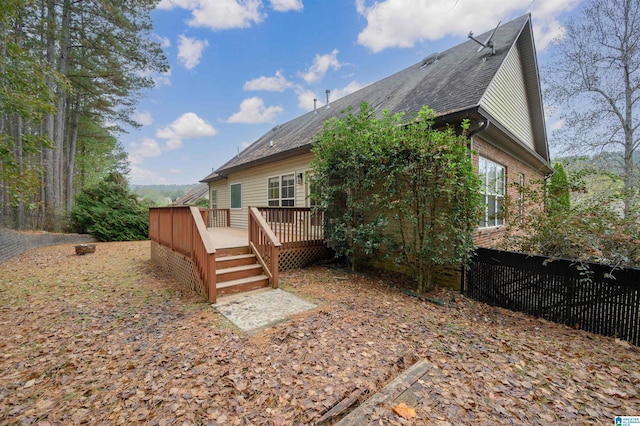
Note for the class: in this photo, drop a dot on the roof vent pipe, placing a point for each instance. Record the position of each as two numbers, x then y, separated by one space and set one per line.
327 92
315 100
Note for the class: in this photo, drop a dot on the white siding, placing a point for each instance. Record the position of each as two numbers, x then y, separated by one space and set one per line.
254 186
506 98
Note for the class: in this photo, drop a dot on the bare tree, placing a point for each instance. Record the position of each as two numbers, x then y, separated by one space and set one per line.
594 80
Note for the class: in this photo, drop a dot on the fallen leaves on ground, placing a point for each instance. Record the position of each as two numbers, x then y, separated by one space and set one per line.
108 339
405 412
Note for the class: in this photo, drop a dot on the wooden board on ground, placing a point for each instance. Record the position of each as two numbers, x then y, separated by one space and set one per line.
399 390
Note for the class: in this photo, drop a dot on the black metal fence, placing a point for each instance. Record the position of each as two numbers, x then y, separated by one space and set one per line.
592 297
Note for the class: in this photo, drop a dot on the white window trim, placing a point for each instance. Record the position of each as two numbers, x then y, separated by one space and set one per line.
212 197
231 198
498 196
280 198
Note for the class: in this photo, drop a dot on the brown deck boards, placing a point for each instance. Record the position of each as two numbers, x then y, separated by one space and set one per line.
228 237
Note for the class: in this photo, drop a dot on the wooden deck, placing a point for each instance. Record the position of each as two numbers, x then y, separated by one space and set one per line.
199 248
228 237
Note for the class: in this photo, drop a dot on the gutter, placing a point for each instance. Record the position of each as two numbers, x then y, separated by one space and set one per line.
474 132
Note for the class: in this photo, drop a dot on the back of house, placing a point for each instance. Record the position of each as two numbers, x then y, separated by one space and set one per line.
497 90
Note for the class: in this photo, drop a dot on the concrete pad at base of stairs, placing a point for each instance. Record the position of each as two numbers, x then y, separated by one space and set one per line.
261 309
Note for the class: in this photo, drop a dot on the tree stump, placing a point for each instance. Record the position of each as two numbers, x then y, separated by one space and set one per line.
85 248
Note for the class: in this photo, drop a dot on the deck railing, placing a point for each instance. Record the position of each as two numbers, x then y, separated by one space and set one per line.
182 229
295 226
216 218
265 244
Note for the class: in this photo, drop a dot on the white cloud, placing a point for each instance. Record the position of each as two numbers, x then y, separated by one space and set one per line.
147 147
286 5
175 171
252 110
143 117
171 4
187 126
347 90
172 144
159 79
306 96
162 41
218 14
556 124
163 79
321 65
546 27
145 176
402 23
305 99
190 50
277 83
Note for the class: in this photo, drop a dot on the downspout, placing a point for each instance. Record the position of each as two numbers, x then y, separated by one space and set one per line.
482 127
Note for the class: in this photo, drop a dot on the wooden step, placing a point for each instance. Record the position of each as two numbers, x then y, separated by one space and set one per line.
242 285
232 251
238 272
237 260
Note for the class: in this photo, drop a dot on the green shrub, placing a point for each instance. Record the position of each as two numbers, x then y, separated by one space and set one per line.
592 231
109 212
398 188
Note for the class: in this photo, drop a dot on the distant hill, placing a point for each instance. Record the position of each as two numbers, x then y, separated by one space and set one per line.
602 178
161 195
606 161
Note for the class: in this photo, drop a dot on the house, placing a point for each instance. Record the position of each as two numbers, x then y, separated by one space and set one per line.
497 88
199 191
260 221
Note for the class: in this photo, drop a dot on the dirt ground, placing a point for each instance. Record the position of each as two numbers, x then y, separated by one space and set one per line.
106 338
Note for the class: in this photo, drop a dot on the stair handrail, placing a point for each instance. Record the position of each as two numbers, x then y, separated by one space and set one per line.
265 244
204 254
264 265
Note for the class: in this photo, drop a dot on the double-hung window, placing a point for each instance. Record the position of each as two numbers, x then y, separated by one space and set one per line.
281 191
493 190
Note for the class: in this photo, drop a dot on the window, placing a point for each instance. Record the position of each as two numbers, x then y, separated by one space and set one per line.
236 195
493 180
281 191
213 199
310 187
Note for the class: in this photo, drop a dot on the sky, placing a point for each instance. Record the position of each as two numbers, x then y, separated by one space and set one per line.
240 67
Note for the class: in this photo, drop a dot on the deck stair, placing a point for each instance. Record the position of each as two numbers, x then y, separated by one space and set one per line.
238 270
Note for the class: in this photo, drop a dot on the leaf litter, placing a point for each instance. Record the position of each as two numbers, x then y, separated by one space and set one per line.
107 338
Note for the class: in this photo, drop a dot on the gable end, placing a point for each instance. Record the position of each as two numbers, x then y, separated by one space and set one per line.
507 101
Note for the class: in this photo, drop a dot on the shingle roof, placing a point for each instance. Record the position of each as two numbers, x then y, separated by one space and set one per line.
455 82
194 194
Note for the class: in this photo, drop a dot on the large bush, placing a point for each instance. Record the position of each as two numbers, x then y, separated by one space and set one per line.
109 212
593 230
398 188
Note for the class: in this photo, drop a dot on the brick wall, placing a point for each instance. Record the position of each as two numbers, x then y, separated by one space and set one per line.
488 237
13 243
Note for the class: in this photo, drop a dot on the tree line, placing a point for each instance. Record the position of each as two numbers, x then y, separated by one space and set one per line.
71 72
